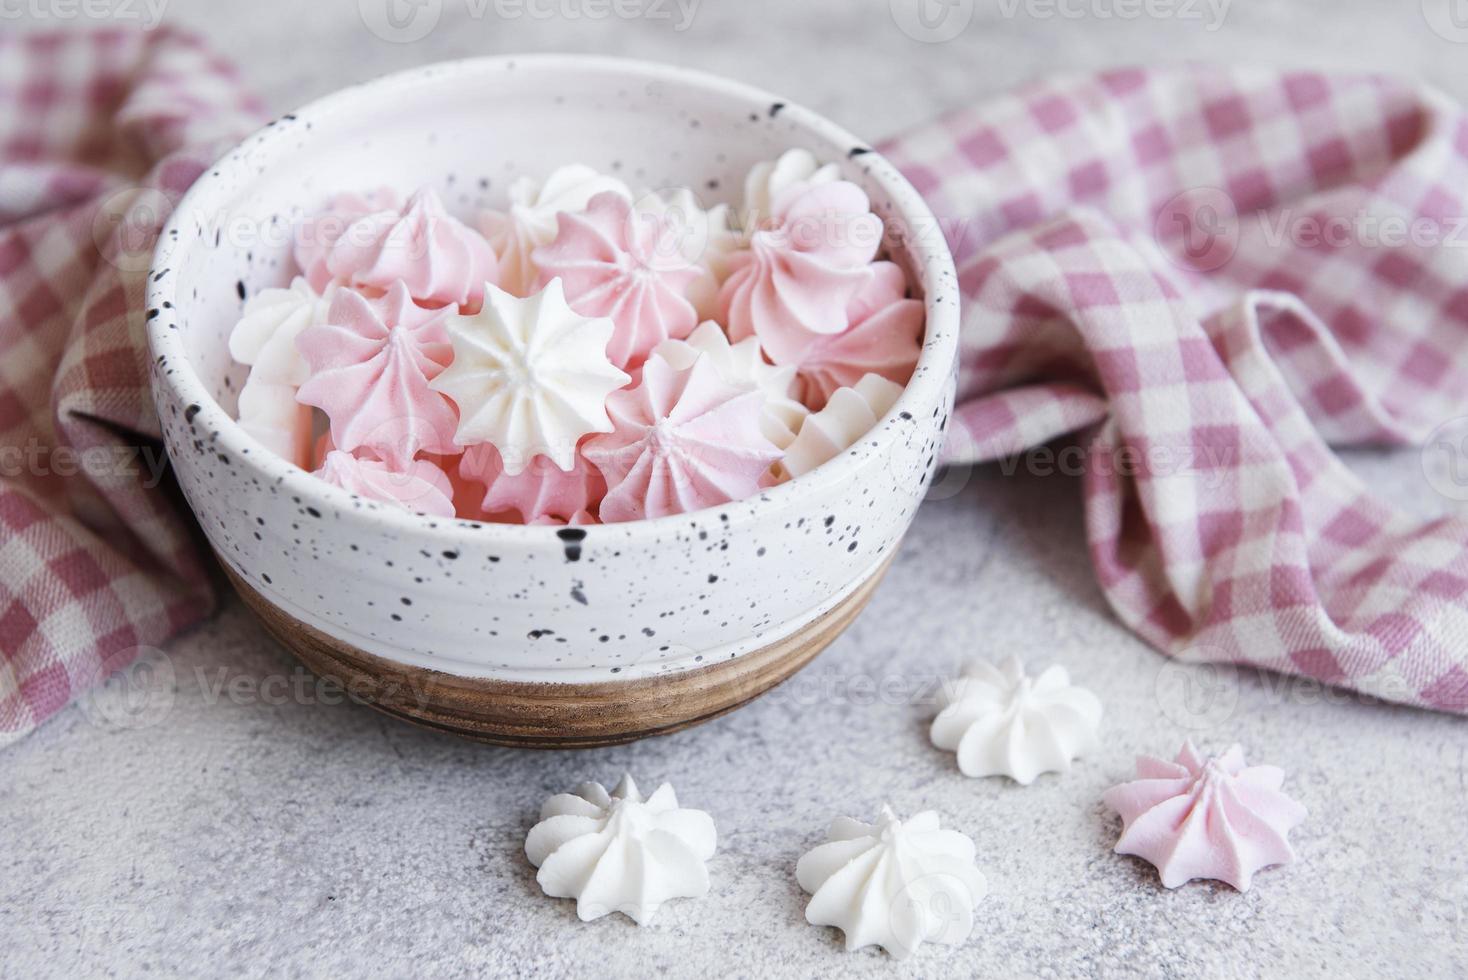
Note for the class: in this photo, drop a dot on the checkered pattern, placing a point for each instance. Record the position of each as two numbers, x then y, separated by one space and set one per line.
1140 268
93 566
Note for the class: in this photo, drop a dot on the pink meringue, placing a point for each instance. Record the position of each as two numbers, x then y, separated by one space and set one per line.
885 338
439 258
1217 818
683 440
531 220
769 178
318 234
541 490
421 487
370 367
626 265
802 271
743 364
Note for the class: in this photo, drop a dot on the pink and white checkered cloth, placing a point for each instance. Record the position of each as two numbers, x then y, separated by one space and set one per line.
96 561
1211 276
1138 265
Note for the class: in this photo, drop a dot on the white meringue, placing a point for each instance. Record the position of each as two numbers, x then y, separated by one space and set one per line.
270 413
703 237
893 883
265 336
529 376
619 852
768 178
744 366
1004 723
849 414
531 219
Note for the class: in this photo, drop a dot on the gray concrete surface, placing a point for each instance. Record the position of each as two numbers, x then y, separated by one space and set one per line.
251 829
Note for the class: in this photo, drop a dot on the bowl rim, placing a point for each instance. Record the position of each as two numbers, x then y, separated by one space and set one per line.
933 261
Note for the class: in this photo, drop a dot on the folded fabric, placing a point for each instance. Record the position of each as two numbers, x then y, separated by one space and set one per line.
1209 275
99 133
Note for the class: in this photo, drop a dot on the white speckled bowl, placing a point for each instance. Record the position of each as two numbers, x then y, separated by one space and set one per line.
494 608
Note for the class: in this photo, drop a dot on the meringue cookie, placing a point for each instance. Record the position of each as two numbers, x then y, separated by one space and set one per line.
618 265
439 258
530 376
743 365
893 883
422 487
531 220
541 491
270 413
272 319
682 441
800 273
703 237
317 235
370 367
768 179
849 414
1003 723
1217 818
619 852
885 338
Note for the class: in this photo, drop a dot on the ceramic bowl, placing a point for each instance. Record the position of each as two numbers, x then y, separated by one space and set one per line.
532 635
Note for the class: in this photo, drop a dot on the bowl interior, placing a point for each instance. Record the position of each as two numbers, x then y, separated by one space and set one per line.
468 129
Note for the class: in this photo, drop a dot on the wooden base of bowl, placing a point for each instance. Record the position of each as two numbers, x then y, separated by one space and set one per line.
548 715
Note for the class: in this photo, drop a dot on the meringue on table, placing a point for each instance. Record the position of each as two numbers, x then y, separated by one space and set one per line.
1206 818
893 883
620 851
1002 722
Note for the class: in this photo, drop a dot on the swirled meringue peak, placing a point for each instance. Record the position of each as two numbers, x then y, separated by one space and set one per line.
318 235
1002 722
893 883
885 338
768 179
530 376
1206 818
422 487
703 237
849 414
800 273
265 336
531 220
541 490
742 364
682 441
620 264
436 256
370 365
619 851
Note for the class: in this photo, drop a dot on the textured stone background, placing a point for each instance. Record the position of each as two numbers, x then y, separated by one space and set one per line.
261 835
